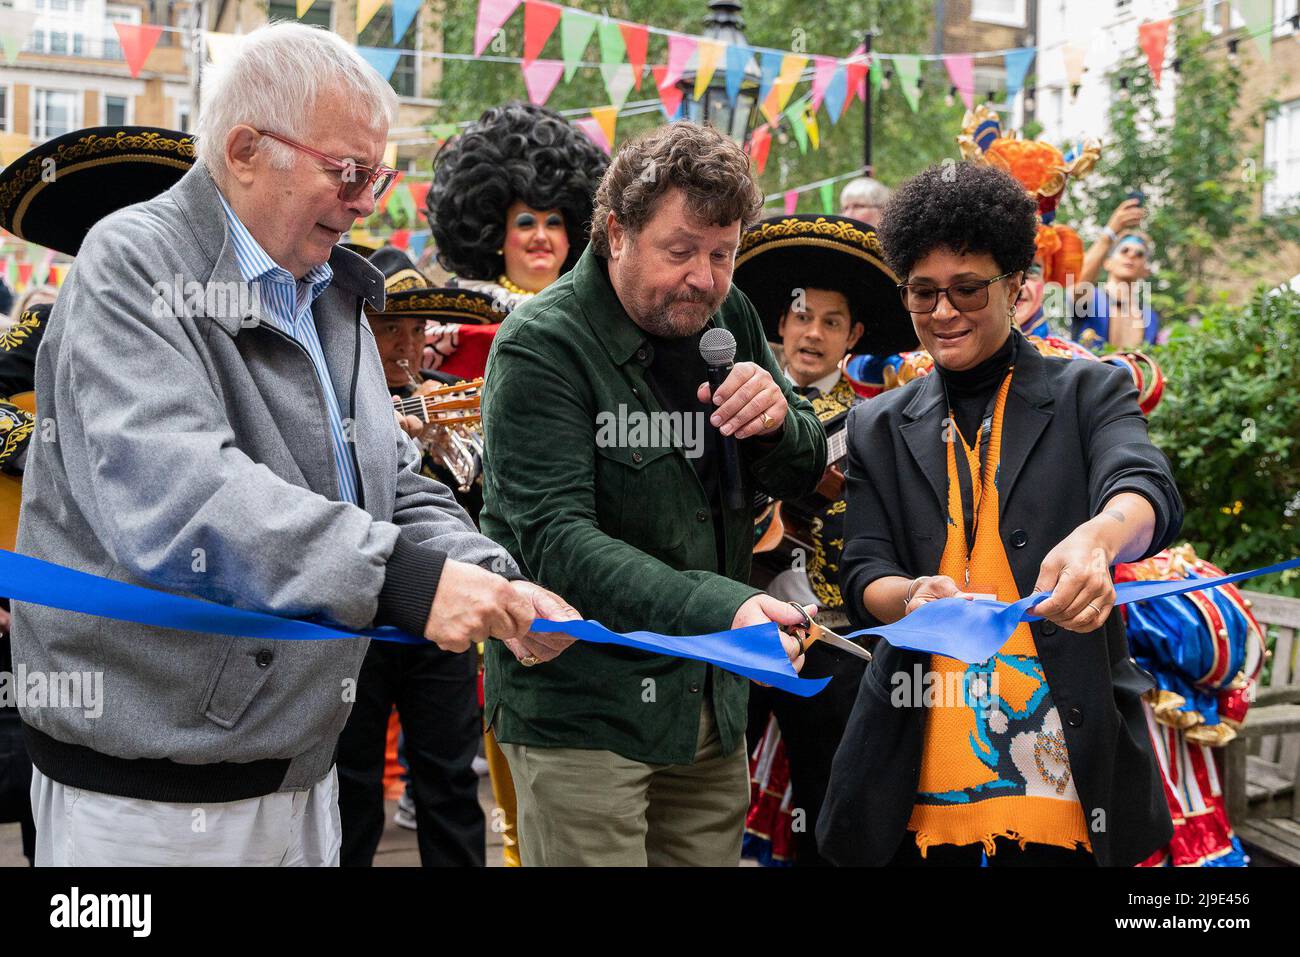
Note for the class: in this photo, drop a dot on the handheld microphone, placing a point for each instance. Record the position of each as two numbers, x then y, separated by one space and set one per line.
718 349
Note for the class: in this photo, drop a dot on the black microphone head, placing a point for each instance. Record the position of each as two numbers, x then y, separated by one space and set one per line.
718 347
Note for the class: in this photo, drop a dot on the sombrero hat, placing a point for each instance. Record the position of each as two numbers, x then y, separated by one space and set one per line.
407 293
784 253
53 194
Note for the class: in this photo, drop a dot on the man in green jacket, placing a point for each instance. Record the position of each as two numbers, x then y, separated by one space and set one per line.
621 757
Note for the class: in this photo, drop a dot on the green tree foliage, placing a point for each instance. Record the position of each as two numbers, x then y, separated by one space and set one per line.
1230 424
903 141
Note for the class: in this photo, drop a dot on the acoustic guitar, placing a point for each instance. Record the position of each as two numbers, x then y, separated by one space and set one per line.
775 526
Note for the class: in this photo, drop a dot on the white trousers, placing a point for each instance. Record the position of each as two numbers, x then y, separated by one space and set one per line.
79 828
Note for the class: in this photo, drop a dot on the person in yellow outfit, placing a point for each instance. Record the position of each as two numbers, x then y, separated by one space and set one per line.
1004 472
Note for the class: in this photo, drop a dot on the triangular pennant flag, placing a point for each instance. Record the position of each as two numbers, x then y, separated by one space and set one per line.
877 75
576 29
221 47
400 239
492 15
540 78
670 97
618 83
827 191
55 277
792 65
961 70
759 145
738 58
138 41
418 242
613 48
856 79
814 129
592 128
419 190
680 49
303 7
1073 57
1258 15
404 12
907 67
607 117
637 39
15 27
769 65
539 23
366 10
1152 38
1017 67
710 53
795 115
382 59
24 274
837 96
791 201
823 70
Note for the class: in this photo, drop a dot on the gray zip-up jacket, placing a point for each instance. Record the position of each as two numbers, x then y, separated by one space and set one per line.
192 454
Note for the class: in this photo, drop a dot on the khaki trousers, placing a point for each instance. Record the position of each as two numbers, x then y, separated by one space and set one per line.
583 808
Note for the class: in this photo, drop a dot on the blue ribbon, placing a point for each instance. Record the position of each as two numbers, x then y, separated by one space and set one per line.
972 630
754 652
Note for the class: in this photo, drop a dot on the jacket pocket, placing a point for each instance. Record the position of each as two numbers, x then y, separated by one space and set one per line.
639 479
243 671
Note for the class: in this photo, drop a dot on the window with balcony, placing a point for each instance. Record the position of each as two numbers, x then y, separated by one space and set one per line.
56 112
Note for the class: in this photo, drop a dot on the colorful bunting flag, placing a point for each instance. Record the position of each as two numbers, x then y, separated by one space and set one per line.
303 7
814 130
419 190
794 113
1016 64
15 27
961 70
137 41
404 12
492 15
539 23
792 65
637 39
401 238
738 58
827 191
1152 38
382 59
680 48
592 128
24 274
613 48
618 83
823 70
576 29
760 143
791 201
670 96
837 97
1258 15
856 79
877 73
540 78
769 66
907 67
607 117
418 242
710 53
366 10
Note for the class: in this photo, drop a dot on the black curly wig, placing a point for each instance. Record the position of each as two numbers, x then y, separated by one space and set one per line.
964 207
514 152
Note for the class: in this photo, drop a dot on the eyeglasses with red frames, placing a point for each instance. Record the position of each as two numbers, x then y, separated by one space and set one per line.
354 178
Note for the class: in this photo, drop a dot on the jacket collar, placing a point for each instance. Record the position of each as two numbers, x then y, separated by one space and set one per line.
1028 412
605 314
196 195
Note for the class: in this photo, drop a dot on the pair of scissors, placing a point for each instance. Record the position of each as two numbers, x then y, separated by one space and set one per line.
810 631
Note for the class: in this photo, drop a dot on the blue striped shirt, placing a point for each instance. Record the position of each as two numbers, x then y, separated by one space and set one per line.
286 303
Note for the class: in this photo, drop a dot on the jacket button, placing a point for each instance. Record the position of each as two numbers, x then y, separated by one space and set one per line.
702 515
636 456
695 688
641 354
264 658
1075 718
1019 538
1049 628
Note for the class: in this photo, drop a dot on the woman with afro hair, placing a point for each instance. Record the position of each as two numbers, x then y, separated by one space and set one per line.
1002 473
511 200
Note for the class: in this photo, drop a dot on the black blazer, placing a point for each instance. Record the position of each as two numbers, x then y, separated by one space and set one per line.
1072 437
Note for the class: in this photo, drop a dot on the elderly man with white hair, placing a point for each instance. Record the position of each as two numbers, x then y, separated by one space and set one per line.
865 199
243 450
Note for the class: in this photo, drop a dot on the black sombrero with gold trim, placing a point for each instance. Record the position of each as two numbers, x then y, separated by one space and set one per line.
407 294
53 194
785 253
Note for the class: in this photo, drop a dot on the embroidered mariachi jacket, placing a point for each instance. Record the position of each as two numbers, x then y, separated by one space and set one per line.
18 345
824 518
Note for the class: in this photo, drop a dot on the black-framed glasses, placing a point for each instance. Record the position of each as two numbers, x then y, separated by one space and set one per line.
966 296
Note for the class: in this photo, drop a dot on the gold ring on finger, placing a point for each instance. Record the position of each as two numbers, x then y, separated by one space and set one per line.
529 660
767 420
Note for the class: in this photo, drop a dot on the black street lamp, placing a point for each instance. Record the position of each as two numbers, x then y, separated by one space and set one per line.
725 24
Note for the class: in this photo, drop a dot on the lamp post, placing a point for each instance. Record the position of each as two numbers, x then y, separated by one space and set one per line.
725 24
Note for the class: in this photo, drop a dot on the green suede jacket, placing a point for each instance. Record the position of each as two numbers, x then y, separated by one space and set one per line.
622 530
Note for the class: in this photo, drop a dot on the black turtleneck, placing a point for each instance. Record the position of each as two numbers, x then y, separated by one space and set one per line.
970 389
